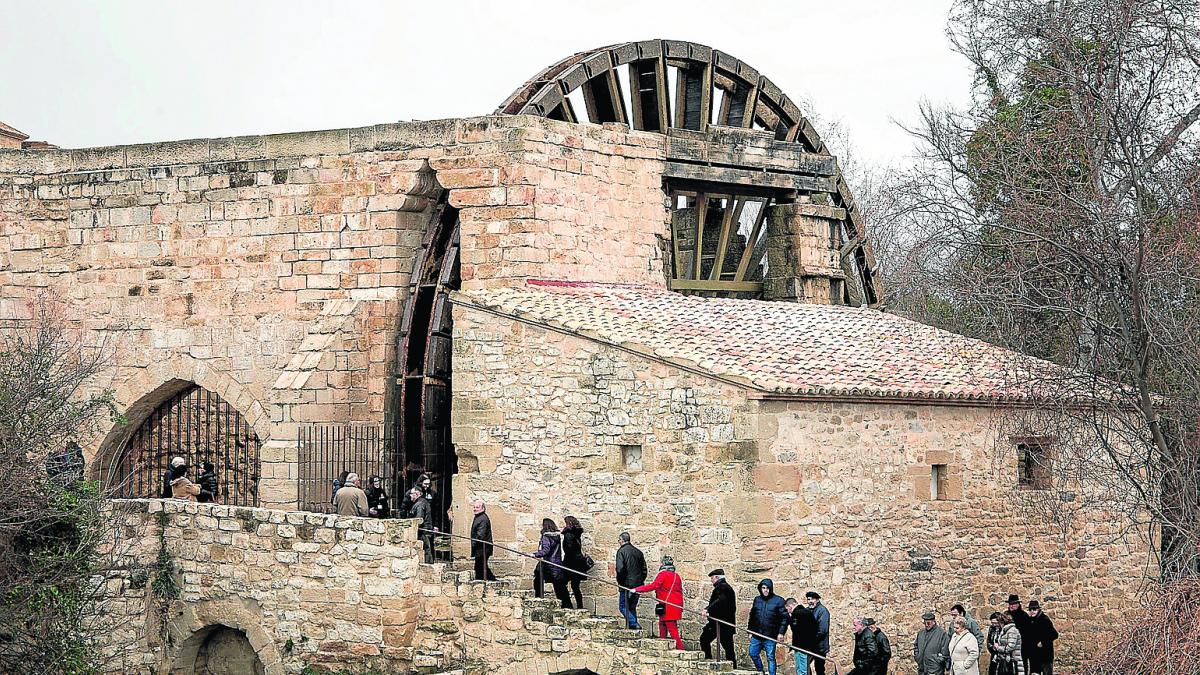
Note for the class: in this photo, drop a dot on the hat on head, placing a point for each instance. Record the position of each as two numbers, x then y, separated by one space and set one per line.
177 462
928 616
1014 599
717 573
868 621
813 594
1034 604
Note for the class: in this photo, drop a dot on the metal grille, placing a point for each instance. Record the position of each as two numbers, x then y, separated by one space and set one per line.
326 451
199 426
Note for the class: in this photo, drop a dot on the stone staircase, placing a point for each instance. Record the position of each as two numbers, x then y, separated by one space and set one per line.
495 628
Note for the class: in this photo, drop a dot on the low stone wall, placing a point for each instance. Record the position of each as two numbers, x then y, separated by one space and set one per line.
304 589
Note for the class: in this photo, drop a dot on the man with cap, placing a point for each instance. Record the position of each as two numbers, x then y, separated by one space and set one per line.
721 614
885 645
1021 621
866 649
813 600
1039 649
930 647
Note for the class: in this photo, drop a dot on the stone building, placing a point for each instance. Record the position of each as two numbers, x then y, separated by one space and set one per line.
639 293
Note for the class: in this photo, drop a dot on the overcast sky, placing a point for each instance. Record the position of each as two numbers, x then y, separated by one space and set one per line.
122 71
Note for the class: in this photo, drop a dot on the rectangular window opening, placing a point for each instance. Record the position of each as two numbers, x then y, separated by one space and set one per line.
1034 464
631 457
937 481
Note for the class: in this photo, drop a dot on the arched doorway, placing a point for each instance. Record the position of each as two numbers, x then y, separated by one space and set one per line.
198 425
227 651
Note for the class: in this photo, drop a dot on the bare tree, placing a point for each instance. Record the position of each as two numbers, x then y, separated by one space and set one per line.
1060 219
52 520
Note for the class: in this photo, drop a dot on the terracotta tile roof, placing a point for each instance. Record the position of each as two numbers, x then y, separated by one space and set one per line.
777 347
12 133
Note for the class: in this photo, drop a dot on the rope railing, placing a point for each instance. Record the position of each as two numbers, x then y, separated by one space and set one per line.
606 582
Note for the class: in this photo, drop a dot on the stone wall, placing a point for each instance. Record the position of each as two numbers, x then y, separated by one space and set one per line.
272 269
831 496
306 589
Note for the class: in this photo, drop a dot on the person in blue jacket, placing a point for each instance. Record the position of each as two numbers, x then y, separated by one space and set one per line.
768 618
813 599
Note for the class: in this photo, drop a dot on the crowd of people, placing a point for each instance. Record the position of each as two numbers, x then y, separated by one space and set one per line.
1020 642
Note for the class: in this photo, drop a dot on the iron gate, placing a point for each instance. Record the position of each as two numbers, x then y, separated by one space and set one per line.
199 426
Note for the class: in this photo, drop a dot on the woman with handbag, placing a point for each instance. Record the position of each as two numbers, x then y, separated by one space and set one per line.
1007 647
573 557
668 590
550 550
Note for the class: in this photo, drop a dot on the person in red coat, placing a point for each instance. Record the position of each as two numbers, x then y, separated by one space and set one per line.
668 590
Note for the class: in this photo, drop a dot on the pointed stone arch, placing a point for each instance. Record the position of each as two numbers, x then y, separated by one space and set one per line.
142 394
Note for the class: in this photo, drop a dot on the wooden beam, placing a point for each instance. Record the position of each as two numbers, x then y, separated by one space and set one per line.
732 214
747 254
701 214
664 101
707 285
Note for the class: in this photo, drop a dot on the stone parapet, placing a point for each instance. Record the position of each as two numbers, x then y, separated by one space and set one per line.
305 589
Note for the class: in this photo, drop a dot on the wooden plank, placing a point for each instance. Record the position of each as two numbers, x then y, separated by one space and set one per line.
747 254
706 92
664 102
707 285
701 214
757 179
618 101
732 214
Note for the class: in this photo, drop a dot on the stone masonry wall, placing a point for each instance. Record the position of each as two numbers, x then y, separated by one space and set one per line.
831 496
306 589
272 269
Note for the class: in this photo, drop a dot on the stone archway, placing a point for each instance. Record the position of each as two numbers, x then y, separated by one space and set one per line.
210 631
140 394
223 651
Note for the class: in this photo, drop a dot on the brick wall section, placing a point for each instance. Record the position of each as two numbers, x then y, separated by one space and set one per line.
826 496
558 201
307 589
272 269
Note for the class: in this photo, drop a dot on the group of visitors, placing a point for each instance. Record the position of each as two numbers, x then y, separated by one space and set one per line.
1020 642
175 483
349 499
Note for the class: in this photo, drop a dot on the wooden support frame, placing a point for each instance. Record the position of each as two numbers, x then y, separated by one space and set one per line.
690 106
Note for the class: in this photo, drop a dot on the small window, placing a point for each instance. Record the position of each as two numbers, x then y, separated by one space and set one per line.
631 457
1034 463
937 481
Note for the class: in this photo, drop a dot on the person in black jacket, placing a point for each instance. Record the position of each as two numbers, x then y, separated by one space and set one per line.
885 646
481 548
573 558
631 573
1021 620
992 637
866 650
722 607
1040 648
804 633
768 618
377 500
208 483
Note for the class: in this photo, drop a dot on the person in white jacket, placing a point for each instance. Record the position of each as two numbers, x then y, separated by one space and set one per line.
964 649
